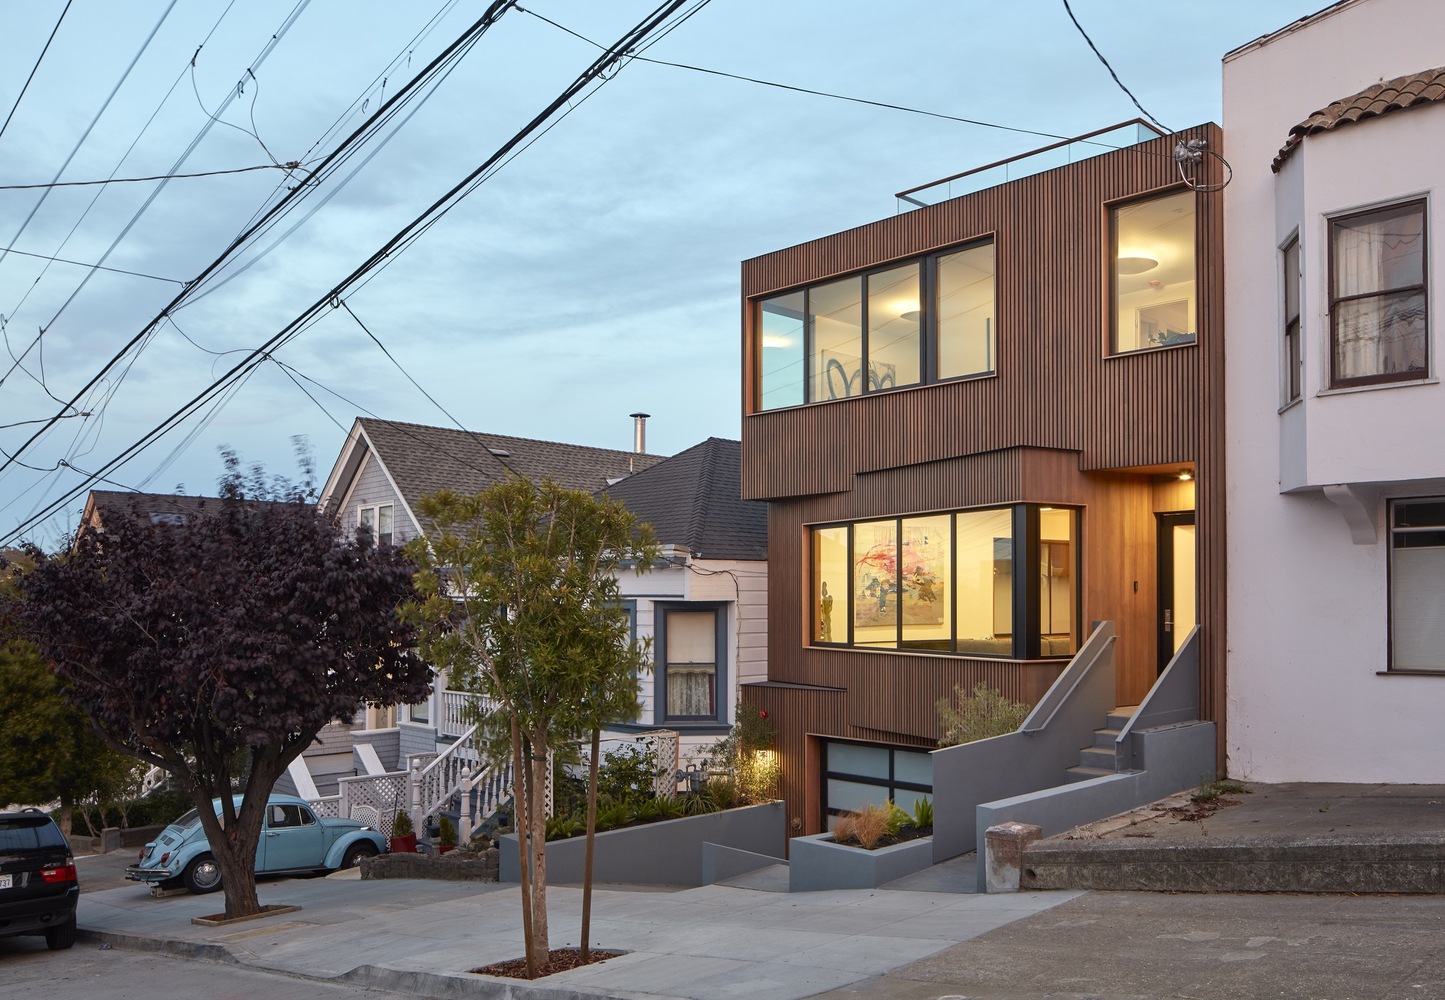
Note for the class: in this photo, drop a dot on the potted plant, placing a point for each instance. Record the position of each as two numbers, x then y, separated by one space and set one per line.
403 835
447 835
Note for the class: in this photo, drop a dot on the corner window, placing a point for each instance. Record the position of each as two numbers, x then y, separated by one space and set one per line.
377 520
691 666
1152 273
1378 315
950 583
1417 584
925 320
1292 359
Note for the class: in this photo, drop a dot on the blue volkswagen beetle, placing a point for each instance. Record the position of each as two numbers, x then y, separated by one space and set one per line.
293 839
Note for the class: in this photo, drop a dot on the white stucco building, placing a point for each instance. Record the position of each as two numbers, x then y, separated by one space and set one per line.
1335 128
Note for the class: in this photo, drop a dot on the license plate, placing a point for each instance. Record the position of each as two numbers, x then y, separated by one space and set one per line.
7 881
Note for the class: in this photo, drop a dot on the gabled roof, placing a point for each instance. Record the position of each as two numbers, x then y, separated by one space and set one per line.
694 499
422 460
1383 98
149 508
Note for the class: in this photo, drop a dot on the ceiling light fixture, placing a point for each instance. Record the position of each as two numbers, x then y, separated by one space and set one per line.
1135 265
1185 475
911 315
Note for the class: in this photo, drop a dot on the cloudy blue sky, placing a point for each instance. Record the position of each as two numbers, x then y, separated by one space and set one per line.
594 275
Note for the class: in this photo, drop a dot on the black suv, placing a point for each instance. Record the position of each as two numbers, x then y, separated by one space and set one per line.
38 887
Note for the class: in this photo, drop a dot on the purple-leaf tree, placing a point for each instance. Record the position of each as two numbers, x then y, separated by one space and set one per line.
218 648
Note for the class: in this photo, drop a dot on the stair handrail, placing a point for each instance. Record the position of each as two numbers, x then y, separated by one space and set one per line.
1174 697
1074 675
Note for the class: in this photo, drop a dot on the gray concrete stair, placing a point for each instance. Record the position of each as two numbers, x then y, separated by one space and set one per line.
1098 759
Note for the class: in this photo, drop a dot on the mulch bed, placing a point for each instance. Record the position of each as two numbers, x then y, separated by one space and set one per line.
888 840
558 960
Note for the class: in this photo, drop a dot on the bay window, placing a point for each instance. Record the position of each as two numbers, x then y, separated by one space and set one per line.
951 582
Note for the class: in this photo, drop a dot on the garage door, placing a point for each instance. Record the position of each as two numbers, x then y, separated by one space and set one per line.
859 774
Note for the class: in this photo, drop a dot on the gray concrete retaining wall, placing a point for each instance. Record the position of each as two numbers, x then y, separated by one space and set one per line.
816 863
666 853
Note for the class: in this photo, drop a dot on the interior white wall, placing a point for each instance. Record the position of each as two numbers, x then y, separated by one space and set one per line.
1307 607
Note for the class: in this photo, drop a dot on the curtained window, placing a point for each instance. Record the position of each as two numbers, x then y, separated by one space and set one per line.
690 667
1378 314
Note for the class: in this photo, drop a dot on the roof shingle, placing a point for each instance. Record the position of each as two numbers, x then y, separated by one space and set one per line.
423 460
1383 98
694 500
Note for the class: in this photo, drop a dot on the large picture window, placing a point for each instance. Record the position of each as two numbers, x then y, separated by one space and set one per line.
925 320
1378 305
949 582
1417 584
1152 273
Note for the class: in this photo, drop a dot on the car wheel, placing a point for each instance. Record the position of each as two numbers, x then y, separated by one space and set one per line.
61 937
356 852
202 875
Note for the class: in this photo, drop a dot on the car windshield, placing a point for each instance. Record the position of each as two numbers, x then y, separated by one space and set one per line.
27 833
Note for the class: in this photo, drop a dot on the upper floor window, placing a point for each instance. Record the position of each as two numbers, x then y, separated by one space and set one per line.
1292 359
1417 584
921 321
378 521
998 582
1152 273
1378 317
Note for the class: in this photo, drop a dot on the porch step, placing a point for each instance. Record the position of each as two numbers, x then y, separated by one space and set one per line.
1098 757
1082 773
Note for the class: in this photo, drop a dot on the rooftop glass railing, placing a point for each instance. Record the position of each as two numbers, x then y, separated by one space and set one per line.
1060 154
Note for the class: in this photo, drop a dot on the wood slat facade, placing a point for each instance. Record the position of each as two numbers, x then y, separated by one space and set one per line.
1061 422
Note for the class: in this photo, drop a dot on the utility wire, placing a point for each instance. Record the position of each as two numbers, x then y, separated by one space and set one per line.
288 167
1120 82
597 70
101 267
489 17
89 128
36 67
343 304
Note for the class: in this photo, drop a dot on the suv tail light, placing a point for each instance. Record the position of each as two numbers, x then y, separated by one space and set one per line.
65 873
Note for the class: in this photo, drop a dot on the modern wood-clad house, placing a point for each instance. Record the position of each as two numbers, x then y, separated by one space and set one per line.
981 426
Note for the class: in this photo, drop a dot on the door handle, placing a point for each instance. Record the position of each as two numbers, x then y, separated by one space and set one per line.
1169 619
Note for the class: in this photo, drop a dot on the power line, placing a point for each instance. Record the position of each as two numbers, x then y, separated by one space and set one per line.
610 58
1120 82
81 263
36 67
288 167
389 357
462 43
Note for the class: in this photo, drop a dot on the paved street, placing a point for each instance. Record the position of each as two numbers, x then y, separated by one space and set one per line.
29 972
1134 945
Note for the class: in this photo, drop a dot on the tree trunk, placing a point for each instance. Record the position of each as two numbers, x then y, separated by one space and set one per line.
591 844
521 808
537 791
67 816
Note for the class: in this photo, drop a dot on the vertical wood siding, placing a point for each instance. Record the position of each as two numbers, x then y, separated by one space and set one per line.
1060 422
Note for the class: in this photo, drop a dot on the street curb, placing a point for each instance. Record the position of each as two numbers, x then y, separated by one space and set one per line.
443 986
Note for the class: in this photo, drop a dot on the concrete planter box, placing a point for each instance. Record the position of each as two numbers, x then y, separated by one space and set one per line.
667 853
816 863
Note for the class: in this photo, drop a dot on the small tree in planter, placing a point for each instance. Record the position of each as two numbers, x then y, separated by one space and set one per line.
403 835
446 835
978 716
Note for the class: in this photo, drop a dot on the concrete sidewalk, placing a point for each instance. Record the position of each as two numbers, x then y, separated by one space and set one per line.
421 937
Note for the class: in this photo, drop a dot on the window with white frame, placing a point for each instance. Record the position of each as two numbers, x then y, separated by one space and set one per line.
1417 584
1292 358
377 520
1379 325
691 667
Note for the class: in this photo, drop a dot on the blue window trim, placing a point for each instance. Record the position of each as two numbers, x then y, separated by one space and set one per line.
660 610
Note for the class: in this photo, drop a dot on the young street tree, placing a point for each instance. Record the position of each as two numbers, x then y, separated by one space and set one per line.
522 606
218 648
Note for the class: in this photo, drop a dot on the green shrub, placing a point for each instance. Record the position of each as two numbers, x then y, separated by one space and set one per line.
923 814
748 757
562 827
897 819
401 825
978 716
628 773
447 831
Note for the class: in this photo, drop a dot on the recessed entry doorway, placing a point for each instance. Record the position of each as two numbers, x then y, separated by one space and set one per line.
1178 598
